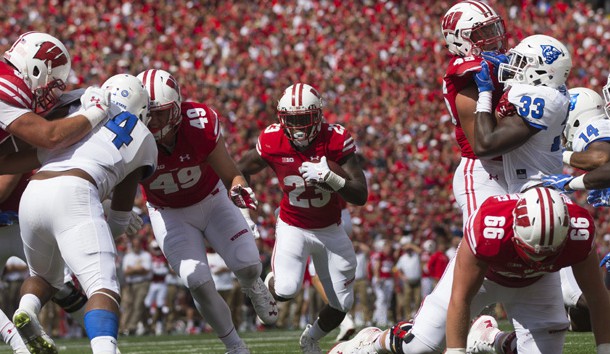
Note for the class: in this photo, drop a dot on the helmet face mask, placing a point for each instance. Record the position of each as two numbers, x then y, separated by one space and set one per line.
606 92
538 60
300 114
44 63
165 102
471 26
586 106
541 223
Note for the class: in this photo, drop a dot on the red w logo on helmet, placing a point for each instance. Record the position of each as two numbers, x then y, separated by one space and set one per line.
50 53
451 20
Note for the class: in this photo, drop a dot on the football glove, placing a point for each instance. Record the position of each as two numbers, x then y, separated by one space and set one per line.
135 224
95 103
315 172
599 197
505 108
558 182
8 218
483 80
496 58
606 262
251 223
243 197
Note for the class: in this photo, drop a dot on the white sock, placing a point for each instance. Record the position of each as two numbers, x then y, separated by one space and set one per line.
103 345
9 332
316 332
30 303
231 339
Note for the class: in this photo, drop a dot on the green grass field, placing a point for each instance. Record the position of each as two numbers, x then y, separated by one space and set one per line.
271 341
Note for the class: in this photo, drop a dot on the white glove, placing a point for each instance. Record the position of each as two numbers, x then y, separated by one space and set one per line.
315 172
251 223
95 103
135 224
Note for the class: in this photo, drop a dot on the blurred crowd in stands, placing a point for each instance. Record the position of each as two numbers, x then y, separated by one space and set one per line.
379 65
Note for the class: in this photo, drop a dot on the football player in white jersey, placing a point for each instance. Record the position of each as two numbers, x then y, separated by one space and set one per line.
74 181
530 139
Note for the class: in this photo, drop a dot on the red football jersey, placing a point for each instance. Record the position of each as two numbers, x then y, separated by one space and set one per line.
304 205
14 92
489 234
458 76
183 177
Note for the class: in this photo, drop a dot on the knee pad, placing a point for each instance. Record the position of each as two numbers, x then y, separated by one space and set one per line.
70 298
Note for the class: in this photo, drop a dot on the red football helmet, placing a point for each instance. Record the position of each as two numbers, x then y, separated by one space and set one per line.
541 223
471 26
45 65
164 94
300 113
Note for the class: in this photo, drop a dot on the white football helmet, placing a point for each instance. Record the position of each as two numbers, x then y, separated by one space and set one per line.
541 223
606 92
128 93
538 60
164 94
45 65
472 26
586 106
300 113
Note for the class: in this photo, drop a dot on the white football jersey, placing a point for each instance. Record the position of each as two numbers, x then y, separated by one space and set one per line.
544 108
108 153
597 130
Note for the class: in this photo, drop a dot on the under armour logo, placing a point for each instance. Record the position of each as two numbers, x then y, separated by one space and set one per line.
184 157
493 177
315 158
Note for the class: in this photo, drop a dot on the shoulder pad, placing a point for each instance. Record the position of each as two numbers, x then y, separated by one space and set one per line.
459 66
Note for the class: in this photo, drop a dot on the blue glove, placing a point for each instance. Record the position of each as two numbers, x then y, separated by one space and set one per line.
496 58
558 182
599 197
483 79
8 218
606 262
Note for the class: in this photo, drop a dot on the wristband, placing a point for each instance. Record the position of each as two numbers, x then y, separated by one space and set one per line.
577 183
94 115
246 213
603 348
484 102
567 155
334 181
118 221
455 351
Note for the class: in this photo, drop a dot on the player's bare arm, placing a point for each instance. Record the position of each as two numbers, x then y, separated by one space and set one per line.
596 294
493 138
596 155
468 277
19 162
355 190
125 192
466 103
251 163
224 165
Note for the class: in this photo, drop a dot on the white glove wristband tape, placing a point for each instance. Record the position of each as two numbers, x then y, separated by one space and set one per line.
484 102
567 155
334 181
578 183
94 115
455 351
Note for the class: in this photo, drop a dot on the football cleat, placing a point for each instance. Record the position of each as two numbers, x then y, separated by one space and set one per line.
308 344
362 343
346 329
263 302
482 335
35 339
238 349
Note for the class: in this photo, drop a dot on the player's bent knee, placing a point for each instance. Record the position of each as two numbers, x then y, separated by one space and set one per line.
70 298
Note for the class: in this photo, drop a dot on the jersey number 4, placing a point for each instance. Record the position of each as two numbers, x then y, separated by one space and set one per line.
122 126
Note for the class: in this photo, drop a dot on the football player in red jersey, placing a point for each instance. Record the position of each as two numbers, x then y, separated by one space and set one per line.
514 245
32 77
471 27
189 205
309 223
